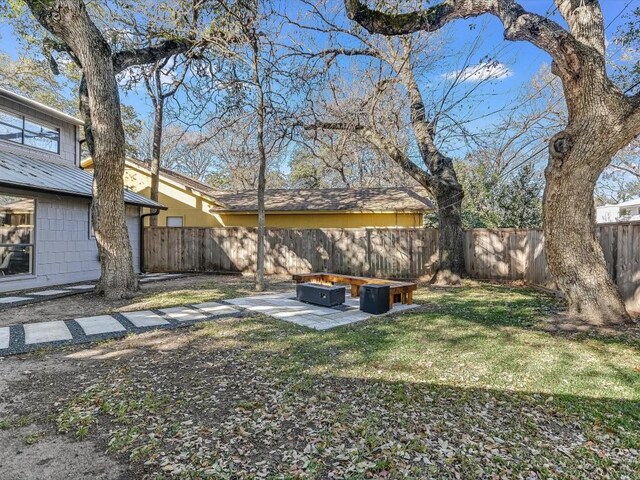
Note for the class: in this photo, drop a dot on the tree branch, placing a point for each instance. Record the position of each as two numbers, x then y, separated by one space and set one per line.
395 153
142 56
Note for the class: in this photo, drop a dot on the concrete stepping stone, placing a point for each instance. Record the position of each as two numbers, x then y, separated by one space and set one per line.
184 314
14 299
215 309
100 324
5 333
46 332
145 318
46 293
81 287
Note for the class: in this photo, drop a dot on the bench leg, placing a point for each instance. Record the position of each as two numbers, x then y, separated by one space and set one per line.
391 301
410 297
355 291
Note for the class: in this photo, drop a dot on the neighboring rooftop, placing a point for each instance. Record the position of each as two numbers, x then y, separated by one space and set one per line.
328 199
41 176
629 203
40 106
391 199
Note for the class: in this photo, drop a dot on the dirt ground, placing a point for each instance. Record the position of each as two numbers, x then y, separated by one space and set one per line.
30 449
160 294
30 388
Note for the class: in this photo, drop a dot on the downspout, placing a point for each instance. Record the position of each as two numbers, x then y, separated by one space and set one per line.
141 246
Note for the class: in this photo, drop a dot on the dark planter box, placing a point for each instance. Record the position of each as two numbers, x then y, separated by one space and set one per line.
374 299
320 294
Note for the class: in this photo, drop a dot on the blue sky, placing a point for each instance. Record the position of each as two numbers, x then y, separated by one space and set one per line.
521 58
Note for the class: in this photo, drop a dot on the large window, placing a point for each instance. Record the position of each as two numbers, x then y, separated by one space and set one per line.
17 227
18 129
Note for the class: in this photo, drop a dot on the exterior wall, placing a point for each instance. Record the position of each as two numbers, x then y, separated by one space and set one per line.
64 250
197 210
324 220
69 146
617 213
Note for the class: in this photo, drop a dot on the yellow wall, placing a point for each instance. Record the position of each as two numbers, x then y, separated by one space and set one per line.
325 220
195 209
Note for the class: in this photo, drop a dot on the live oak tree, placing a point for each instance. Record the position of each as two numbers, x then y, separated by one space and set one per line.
71 25
602 120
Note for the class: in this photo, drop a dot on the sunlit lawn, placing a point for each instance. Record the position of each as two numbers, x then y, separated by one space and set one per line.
468 386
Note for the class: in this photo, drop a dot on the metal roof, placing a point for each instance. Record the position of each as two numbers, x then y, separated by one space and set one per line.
38 175
40 106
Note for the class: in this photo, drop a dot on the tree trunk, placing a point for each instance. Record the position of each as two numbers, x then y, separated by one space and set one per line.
155 156
260 111
100 105
451 266
573 252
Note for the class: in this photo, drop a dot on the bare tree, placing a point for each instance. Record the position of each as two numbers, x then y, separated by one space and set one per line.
254 86
602 120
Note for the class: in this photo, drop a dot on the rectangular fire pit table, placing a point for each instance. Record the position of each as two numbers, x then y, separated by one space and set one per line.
327 296
398 291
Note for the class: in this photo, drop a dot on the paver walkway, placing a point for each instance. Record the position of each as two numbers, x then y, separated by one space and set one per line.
8 300
283 306
31 336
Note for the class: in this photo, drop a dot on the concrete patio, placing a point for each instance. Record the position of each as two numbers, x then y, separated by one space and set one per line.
284 306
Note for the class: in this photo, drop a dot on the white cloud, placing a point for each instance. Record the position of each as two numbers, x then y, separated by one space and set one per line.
481 72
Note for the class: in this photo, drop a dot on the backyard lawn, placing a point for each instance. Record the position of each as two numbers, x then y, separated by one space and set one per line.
470 385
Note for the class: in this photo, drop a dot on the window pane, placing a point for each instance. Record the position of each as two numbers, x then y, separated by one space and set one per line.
11 119
41 137
16 259
12 134
174 221
16 234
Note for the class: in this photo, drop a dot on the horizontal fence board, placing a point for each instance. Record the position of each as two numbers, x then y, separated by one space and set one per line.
494 254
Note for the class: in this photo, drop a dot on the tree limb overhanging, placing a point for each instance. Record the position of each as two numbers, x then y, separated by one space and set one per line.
601 121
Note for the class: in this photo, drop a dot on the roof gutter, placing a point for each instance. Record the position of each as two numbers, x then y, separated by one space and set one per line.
141 246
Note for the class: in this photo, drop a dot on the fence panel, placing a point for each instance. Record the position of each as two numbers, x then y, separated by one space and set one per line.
503 254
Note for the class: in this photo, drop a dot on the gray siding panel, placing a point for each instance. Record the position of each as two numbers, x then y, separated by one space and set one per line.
64 251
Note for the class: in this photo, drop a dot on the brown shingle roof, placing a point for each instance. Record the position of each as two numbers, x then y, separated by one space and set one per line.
328 199
392 199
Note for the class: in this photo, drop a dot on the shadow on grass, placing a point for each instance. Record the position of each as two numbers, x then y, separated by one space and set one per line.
363 394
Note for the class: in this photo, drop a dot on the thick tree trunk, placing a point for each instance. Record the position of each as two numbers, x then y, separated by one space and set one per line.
100 105
155 156
573 252
451 267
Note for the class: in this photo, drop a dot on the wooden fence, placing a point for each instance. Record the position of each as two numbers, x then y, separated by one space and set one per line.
501 254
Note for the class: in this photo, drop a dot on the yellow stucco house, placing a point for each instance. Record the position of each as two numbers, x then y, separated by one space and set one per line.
192 203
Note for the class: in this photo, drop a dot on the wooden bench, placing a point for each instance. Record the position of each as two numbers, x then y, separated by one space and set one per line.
398 291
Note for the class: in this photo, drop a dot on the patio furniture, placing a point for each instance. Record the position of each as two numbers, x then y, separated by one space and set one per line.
398 291
374 299
327 296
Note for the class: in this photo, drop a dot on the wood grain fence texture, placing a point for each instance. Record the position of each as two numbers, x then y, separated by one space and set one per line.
493 254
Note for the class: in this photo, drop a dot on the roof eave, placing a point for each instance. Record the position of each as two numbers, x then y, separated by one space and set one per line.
41 107
30 188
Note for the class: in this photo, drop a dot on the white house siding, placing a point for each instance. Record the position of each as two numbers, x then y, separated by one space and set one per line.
69 148
64 251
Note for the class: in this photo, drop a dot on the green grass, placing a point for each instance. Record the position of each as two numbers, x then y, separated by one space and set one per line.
470 384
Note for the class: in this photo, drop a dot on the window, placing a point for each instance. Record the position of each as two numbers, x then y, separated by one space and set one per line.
174 221
17 228
16 128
